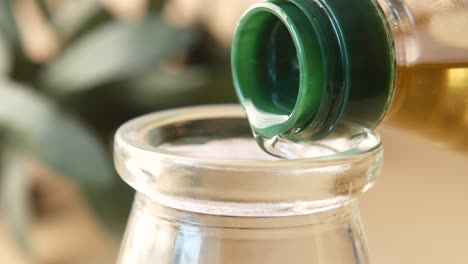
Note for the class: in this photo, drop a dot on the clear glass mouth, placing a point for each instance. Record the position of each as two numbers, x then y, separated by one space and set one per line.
205 159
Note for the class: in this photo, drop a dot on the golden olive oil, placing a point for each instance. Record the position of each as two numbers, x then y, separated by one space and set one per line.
432 100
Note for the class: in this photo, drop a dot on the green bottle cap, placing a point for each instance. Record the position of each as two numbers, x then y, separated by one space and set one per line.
301 66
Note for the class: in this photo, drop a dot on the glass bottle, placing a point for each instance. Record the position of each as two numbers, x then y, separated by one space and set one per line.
302 66
207 194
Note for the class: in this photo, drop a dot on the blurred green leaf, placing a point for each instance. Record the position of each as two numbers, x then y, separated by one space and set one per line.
72 15
114 51
112 205
164 86
5 56
56 139
7 21
44 8
15 187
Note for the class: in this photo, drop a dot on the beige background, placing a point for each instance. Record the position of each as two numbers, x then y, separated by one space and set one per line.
418 211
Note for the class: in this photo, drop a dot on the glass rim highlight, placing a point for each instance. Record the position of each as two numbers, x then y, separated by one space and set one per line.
150 121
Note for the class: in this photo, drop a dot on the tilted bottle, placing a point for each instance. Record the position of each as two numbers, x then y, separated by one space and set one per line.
302 66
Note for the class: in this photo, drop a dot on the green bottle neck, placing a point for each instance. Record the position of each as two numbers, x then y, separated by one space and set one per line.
301 66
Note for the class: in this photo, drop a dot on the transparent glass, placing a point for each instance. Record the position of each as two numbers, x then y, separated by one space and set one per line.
431 93
428 32
207 194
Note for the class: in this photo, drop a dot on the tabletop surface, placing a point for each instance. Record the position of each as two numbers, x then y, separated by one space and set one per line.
418 211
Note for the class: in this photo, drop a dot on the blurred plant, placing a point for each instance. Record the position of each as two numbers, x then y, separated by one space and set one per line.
71 72
220 17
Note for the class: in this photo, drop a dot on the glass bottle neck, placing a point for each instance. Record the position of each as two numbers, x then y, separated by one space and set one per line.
301 66
168 235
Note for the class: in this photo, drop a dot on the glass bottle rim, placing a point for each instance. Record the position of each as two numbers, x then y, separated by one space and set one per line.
133 135
233 186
